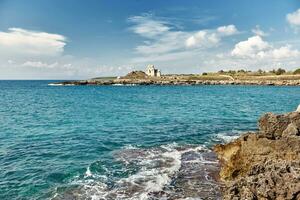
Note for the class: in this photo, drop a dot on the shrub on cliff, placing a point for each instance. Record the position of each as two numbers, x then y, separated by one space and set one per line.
297 71
280 71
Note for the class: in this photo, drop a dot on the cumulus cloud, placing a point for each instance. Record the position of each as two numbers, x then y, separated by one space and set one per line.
202 38
22 42
209 38
256 47
294 18
284 52
250 48
227 30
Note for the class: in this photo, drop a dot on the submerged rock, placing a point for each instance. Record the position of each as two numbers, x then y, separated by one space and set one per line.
266 164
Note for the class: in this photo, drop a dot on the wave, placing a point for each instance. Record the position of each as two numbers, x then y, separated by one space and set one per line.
61 84
164 172
225 137
55 84
121 84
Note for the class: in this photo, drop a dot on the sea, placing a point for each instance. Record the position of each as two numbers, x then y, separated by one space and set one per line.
123 142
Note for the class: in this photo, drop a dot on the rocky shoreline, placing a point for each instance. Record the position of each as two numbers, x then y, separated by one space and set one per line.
179 82
141 78
265 164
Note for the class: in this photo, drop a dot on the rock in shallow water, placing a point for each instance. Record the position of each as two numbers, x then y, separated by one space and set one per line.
263 165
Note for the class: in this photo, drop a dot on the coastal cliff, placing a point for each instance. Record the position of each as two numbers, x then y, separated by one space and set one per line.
264 164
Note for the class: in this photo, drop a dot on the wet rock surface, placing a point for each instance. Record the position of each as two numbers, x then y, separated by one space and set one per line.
266 164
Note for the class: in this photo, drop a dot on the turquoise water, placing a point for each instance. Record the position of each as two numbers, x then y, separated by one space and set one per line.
57 141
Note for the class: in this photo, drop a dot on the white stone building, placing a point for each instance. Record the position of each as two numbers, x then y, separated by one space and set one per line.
151 71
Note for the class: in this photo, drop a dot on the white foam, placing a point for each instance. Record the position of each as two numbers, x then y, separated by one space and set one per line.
153 178
88 172
55 84
157 167
176 156
228 137
130 146
61 84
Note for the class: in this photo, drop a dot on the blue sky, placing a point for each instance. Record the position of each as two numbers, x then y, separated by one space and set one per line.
67 39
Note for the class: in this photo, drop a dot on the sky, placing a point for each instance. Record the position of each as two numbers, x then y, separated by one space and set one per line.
67 39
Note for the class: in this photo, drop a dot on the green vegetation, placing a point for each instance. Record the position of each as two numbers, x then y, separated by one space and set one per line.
297 71
242 74
260 72
280 71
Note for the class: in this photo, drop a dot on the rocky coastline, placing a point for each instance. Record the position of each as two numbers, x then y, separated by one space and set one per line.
264 164
142 78
179 82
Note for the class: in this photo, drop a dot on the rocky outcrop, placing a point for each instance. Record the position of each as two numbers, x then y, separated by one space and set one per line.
274 126
266 164
136 75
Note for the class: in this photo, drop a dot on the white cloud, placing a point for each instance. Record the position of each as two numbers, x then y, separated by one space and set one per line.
258 31
21 42
255 47
170 41
48 65
202 39
165 41
227 30
39 64
210 38
294 18
161 36
34 64
147 27
250 48
284 52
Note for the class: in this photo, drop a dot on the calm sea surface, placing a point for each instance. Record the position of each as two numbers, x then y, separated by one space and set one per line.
118 142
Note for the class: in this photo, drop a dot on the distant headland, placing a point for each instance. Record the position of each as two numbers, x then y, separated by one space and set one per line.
153 76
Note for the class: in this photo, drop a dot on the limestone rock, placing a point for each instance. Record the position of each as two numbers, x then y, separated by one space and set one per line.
270 180
266 164
272 126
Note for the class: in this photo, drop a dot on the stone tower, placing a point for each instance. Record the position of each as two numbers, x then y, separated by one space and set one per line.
151 71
